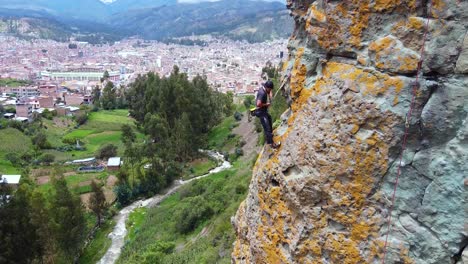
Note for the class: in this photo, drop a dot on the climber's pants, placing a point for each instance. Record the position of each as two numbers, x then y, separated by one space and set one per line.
265 119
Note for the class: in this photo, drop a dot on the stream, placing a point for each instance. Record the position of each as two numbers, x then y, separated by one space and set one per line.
120 231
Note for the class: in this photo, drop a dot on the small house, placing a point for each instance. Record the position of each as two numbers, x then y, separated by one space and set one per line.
114 163
12 180
9 116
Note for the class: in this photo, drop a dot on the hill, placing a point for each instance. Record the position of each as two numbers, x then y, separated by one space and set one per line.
253 20
125 5
83 9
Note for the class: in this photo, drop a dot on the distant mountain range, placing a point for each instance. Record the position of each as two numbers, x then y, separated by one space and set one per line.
154 19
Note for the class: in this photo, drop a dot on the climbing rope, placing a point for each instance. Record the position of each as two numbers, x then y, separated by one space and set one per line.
415 85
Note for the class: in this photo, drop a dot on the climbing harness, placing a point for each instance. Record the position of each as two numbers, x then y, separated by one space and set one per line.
415 85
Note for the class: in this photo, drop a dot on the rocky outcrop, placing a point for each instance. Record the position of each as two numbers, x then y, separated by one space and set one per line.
325 196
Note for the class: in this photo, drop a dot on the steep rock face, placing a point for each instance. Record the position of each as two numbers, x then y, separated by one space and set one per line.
325 195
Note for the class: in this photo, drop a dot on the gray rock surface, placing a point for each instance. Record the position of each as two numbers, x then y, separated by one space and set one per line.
326 195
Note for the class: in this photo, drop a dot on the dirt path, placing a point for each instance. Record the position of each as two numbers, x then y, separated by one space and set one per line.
246 129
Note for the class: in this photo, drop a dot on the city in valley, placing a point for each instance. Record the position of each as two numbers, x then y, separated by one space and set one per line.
61 76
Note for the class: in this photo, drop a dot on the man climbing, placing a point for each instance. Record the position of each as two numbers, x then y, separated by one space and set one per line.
263 103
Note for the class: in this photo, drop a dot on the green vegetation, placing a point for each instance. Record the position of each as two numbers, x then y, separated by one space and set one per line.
9 138
135 220
14 82
192 225
171 118
53 227
221 137
99 245
176 114
74 182
199 167
196 219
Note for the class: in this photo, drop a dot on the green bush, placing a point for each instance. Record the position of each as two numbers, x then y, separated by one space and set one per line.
81 118
47 158
106 151
194 213
238 116
40 141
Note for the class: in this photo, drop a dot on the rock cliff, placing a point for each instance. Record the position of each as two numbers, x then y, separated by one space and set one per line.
325 196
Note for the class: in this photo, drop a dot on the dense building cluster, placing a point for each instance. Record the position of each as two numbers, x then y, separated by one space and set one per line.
68 72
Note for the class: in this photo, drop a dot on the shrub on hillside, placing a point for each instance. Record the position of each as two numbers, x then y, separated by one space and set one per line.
195 212
238 116
40 141
47 158
106 151
81 118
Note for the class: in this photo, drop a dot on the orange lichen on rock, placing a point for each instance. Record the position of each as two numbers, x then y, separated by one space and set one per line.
437 7
272 226
360 22
390 54
382 44
332 34
342 250
390 5
298 74
315 15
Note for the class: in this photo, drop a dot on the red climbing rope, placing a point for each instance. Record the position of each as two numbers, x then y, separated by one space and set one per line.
405 138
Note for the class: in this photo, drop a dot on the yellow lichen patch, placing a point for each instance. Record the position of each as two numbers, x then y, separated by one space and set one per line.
273 223
298 74
390 55
316 15
342 250
360 22
382 44
408 63
415 23
384 5
390 5
360 231
376 248
404 255
437 7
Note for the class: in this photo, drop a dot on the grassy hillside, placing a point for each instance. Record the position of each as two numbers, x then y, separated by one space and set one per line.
102 127
193 225
12 140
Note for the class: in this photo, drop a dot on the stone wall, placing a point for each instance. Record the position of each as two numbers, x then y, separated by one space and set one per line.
325 195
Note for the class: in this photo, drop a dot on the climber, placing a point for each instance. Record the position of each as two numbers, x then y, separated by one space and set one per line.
264 96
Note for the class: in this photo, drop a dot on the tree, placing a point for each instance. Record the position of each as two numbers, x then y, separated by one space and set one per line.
109 96
81 118
182 138
13 158
40 141
40 218
47 158
106 75
97 201
106 151
47 114
16 229
67 217
128 135
96 96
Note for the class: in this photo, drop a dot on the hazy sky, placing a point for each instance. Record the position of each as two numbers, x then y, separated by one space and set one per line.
195 1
